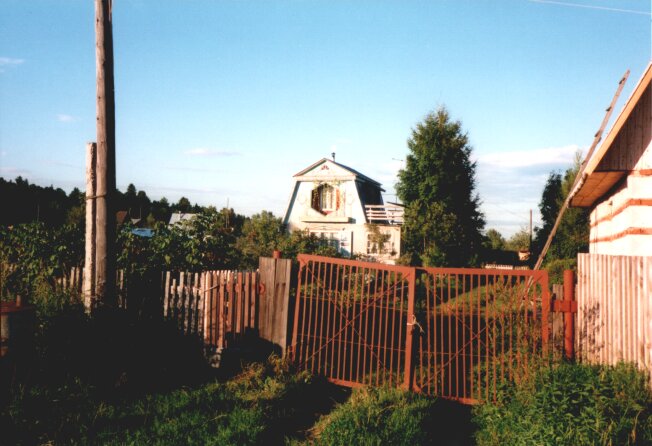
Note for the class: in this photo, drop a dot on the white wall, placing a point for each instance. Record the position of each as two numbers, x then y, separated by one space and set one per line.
622 223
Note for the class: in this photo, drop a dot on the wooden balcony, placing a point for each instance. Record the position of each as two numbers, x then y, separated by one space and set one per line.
388 214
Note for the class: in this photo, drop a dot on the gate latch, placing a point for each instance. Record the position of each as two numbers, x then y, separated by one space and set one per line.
416 323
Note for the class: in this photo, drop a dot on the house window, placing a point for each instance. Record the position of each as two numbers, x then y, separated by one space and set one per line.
379 243
325 198
328 238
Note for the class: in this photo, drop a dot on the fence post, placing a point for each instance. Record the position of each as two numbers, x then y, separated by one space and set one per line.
408 383
569 319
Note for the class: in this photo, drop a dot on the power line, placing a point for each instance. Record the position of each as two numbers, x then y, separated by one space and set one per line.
579 5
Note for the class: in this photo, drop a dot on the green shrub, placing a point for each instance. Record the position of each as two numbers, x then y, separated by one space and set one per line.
377 417
569 404
556 269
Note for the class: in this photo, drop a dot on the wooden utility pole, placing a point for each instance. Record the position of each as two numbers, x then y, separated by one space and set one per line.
530 245
91 230
105 186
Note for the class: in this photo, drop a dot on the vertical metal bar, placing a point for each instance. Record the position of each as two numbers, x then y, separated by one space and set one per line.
465 357
486 328
357 349
301 345
371 300
569 296
356 303
457 337
402 326
376 319
392 340
431 377
442 338
334 305
386 361
502 332
411 317
479 336
449 358
471 338
297 336
345 304
319 325
493 333
327 370
314 293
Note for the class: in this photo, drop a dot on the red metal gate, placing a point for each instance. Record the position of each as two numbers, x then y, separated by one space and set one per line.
479 327
455 333
350 320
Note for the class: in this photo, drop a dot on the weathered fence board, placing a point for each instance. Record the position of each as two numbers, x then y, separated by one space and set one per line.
614 310
274 300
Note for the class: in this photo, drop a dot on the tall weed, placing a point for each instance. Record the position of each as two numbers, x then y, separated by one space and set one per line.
570 404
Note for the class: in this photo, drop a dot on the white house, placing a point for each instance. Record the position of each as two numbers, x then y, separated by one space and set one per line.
617 180
347 209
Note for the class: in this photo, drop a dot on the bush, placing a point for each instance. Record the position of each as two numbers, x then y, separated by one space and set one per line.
570 405
556 269
377 417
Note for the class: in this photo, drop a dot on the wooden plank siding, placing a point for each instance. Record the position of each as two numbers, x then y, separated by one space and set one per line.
614 319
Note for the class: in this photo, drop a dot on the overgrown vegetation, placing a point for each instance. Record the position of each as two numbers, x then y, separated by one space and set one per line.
263 405
569 404
378 417
115 379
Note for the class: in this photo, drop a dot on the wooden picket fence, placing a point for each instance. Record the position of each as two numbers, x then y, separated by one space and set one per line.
614 319
219 306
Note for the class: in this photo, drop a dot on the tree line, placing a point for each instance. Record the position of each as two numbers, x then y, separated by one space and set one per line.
23 202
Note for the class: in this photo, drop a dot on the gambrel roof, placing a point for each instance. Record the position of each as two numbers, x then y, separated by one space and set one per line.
354 174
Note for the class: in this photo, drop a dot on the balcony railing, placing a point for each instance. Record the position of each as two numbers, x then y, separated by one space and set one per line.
391 214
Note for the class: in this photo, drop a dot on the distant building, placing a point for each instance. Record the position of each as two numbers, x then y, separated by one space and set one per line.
617 182
181 218
346 208
143 232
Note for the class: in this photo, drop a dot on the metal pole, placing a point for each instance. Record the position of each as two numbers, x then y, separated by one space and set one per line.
569 318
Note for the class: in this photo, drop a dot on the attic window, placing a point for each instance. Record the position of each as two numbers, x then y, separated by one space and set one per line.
325 198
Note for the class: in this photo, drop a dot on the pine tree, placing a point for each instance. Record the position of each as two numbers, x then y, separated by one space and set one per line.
443 223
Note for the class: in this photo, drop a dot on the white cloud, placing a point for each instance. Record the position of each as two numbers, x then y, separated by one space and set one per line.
8 62
65 118
203 151
563 156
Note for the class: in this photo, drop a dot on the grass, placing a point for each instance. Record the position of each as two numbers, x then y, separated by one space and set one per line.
118 378
265 404
570 404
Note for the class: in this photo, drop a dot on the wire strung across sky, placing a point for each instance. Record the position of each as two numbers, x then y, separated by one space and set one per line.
603 8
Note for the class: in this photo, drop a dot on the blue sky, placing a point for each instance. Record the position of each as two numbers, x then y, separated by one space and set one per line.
226 100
